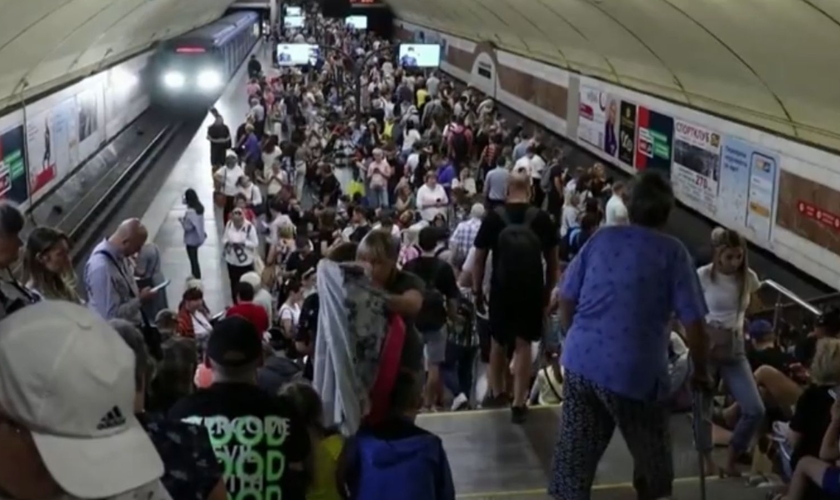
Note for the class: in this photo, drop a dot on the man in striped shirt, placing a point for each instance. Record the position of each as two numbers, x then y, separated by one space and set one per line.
464 235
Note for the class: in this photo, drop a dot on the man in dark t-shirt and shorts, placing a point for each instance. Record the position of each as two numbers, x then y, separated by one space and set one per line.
517 317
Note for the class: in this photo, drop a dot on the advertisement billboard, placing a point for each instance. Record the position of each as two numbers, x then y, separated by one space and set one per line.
747 188
627 134
50 138
809 210
696 170
13 165
654 133
598 119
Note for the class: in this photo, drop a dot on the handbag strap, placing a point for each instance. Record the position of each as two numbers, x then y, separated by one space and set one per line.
550 384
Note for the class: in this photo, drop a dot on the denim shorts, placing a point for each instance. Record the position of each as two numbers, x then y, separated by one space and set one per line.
435 346
831 481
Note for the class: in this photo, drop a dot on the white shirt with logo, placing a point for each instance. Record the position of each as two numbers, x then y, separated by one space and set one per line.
240 244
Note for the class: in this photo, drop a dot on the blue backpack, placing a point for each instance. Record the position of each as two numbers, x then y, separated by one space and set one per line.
411 468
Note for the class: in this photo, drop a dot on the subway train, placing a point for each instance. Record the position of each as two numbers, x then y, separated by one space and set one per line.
191 70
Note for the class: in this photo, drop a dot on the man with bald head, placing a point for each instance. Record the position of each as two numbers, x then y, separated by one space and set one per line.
523 242
109 279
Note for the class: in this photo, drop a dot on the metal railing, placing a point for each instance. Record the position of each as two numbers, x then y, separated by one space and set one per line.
793 300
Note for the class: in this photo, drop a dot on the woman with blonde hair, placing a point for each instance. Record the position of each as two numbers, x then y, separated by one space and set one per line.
47 263
815 429
728 284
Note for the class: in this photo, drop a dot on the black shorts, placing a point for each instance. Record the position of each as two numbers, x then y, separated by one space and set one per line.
519 318
482 325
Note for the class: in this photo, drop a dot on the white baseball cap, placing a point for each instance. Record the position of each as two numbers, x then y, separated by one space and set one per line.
68 377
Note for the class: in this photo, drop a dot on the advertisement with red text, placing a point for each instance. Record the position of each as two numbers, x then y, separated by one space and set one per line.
696 170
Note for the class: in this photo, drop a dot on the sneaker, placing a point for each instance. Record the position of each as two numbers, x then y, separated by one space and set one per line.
494 401
518 414
461 402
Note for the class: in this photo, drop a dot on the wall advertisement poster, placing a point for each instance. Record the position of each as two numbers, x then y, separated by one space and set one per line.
696 170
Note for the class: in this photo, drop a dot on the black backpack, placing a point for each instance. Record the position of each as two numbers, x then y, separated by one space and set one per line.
519 253
460 145
432 315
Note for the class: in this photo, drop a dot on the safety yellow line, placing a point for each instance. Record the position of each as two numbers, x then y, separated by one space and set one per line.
544 491
475 413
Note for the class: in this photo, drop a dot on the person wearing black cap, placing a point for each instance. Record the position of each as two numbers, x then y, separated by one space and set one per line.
256 436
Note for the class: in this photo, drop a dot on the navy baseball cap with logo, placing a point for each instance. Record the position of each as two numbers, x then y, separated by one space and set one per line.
234 342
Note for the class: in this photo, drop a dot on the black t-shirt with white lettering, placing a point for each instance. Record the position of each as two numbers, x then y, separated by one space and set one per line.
256 437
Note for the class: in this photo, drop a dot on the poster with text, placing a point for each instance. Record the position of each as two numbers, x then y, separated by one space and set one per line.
90 122
49 141
654 133
696 169
627 133
747 187
810 210
598 119
13 166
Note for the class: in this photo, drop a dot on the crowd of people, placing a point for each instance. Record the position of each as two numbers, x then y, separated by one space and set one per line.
513 278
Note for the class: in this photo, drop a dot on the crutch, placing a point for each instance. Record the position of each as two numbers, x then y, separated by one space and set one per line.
702 405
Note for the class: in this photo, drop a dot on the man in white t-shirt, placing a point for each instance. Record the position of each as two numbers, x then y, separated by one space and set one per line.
67 423
616 211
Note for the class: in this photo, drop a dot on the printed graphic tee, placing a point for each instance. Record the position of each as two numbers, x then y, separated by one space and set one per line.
255 438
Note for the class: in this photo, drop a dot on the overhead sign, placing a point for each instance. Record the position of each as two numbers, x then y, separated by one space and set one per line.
419 55
297 54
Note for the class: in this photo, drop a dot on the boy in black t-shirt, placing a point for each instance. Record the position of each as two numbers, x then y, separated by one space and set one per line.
258 441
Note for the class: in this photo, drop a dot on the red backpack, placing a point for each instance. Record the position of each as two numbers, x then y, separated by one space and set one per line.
389 368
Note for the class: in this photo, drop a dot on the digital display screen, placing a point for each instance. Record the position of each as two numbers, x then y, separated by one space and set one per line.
356 22
294 11
293 21
419 55
297 54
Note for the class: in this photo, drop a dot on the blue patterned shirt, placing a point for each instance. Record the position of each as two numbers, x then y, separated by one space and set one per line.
626 282
191 468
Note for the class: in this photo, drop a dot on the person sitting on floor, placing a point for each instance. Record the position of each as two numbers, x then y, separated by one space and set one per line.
815 430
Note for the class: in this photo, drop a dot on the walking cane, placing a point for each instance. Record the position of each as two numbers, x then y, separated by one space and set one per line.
702 403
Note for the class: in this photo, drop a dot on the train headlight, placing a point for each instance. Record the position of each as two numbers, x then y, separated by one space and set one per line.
174 80
209 80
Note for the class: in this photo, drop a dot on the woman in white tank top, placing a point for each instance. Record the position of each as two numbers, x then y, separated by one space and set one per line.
728 284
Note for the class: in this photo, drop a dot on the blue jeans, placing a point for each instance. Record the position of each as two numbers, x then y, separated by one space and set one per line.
378 197
738 377
458 369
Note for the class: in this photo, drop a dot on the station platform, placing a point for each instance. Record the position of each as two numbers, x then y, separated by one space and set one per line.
193 170
491 458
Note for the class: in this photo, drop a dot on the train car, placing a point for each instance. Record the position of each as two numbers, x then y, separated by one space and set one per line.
192 69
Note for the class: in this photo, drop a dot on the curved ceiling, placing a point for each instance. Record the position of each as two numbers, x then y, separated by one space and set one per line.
44 43
773 63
